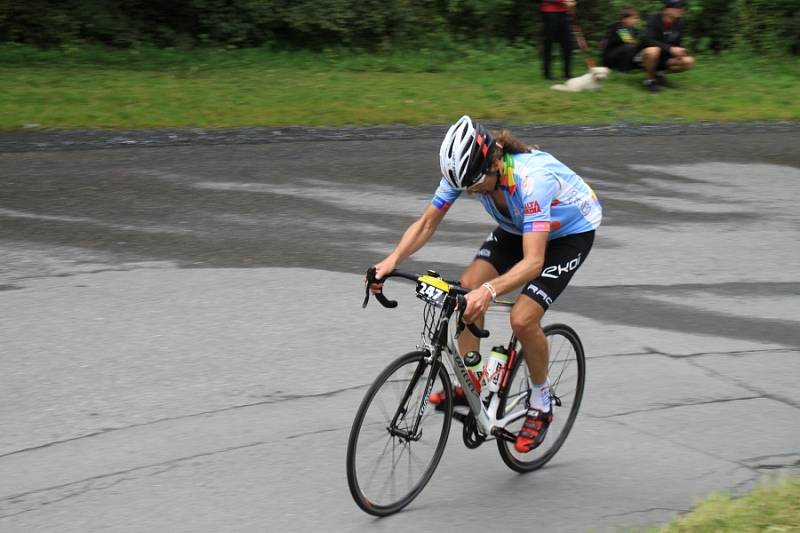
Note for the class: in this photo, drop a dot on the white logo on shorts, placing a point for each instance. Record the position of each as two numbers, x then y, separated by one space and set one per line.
539 292
556 270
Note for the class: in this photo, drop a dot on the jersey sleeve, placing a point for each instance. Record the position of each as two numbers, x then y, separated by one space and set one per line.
539 189
444 196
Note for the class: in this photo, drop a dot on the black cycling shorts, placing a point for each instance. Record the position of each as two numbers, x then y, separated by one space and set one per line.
564 255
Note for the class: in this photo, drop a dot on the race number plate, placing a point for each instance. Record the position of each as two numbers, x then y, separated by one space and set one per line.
432 290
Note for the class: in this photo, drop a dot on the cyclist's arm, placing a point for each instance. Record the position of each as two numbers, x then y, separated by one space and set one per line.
534 245
537 191
412 240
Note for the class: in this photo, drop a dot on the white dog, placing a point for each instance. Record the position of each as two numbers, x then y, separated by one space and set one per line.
588 82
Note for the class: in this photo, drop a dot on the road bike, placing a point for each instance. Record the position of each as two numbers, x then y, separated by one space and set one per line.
398 436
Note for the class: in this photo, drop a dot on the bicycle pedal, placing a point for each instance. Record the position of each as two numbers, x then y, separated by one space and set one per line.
503 433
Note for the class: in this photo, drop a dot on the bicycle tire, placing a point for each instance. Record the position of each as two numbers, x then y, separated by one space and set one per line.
360 488
571 399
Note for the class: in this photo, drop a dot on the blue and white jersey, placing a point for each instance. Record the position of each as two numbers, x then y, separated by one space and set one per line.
542 194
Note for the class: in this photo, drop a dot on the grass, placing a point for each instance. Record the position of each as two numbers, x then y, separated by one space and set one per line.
88 87
773 508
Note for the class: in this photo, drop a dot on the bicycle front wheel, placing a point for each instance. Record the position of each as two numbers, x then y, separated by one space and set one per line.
398 437
567 373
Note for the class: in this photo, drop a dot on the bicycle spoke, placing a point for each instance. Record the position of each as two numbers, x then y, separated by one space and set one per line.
385 412
419 461
386 484
375 438
557 381
377 463
554 382
410 475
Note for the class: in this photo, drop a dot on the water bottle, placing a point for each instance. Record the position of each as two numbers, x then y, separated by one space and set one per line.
474 364
494 368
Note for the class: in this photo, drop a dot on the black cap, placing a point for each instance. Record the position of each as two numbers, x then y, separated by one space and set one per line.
674 3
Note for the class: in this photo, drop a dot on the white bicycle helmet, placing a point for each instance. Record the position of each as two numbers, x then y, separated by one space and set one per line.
464 154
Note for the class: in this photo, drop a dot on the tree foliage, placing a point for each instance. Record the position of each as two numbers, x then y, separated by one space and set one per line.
759 25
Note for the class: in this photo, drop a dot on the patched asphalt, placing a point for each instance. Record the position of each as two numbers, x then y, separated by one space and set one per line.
184 347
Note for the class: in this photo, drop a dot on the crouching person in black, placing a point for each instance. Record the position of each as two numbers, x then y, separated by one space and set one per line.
661 50
620 46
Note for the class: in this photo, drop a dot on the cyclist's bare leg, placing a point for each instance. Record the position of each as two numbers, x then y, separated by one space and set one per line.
526 316
477 273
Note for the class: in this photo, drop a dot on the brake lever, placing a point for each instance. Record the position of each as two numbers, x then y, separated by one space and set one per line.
473 328
369 281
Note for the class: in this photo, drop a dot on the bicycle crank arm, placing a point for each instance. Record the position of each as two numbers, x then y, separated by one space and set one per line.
504 434
460 416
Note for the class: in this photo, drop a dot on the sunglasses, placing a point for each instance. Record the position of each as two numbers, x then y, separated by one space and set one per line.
481 179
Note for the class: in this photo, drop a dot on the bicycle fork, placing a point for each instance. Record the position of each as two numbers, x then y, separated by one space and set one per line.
414 434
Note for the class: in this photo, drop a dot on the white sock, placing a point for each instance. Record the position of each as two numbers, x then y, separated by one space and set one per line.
540 397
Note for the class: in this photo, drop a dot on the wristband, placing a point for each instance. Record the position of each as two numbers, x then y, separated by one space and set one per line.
488 287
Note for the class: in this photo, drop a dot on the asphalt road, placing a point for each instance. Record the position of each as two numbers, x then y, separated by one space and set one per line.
183 346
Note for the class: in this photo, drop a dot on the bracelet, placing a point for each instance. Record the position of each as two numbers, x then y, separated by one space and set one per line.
488 287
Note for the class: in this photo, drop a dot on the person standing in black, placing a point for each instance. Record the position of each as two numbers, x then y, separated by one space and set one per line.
555 17
661 50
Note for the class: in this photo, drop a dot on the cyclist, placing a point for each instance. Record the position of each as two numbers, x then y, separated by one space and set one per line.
546 215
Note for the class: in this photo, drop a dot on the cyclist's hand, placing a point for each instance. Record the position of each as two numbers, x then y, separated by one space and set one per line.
478 301
381 270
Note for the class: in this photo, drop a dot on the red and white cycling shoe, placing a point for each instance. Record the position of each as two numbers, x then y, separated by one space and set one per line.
534 430
437 398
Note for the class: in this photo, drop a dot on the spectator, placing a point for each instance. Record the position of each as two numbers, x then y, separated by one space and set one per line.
620 46
661 50
555 16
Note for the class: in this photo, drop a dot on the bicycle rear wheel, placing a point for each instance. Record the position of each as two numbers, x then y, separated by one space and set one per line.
388 463
567 375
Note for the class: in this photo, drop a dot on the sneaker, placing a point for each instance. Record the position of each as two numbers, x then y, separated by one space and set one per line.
651 86
533 430
437 398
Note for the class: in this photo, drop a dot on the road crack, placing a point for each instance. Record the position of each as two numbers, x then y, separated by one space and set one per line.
662 407
271 399
750 388
648 510
38 498
652 351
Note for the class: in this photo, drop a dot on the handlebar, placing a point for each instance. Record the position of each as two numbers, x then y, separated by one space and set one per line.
391 304
372 278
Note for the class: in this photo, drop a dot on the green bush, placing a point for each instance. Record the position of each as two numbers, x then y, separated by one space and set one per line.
763 26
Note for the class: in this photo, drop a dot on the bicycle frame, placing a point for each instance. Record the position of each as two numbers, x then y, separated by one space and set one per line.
443 341
485 416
